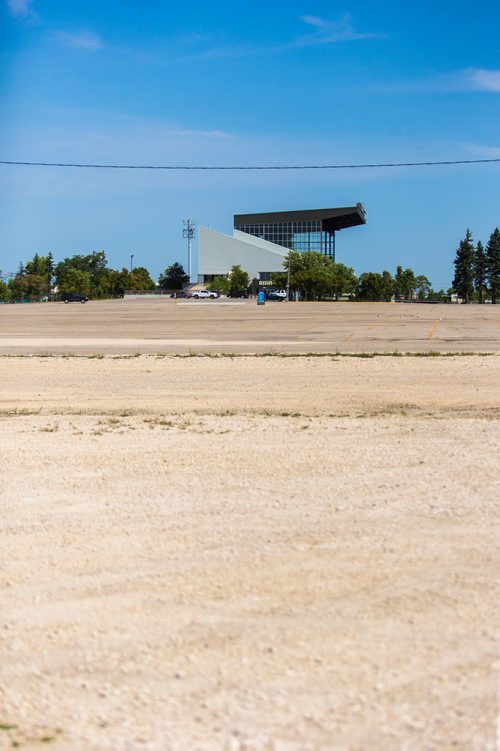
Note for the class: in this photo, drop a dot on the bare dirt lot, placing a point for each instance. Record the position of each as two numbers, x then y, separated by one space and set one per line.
255 553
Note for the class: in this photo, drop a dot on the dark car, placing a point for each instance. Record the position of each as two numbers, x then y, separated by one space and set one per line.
73 297
274 296
239 293
180 293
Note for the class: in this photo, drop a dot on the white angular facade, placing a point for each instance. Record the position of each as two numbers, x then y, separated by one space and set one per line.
260 242
218 253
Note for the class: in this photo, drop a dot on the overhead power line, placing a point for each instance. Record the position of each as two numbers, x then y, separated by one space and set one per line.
249 167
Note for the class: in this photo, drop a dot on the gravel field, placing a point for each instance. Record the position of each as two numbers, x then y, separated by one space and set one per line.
282 553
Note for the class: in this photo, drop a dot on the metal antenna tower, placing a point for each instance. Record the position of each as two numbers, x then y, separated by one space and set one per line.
188 233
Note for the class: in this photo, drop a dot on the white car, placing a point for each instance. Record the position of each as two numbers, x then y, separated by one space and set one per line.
199 293
278 294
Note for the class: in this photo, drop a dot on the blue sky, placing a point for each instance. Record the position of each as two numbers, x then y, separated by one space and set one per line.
255 84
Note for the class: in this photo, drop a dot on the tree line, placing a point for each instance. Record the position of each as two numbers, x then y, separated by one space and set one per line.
90 275
314 276
307 276
477 269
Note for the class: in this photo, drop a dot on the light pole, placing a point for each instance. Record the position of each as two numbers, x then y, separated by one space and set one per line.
131 262
188 233
288 279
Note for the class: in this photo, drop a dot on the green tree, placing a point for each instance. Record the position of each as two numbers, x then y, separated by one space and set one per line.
119 281
399 284
99 274
438 295
480 270
279 279
315 276
3 287
49 269
38 272
16 287
493 265
35 266
463 282
375 287
174 277
387 286
27 285
344 280
233 283
239 281
36 285
405 283
311 274
75 280
422 287
370 286
220 284
94 264
140 279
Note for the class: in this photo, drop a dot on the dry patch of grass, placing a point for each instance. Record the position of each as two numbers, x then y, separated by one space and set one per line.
17 738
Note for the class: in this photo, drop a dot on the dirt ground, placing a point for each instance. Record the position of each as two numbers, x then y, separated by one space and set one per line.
249 553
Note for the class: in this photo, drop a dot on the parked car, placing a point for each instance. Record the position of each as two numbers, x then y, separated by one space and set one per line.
204 293
274 296
241 293
180 293
67 297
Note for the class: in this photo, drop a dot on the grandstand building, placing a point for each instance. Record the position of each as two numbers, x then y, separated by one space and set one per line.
260 242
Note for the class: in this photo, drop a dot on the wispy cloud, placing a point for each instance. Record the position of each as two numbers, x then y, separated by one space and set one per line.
486 152
324 32
20 8
469 80
481 79
84 40
329 31
319 23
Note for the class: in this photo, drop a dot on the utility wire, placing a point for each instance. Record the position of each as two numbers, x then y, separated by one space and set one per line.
247 168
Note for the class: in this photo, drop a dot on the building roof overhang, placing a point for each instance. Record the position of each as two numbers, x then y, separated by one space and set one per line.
332 219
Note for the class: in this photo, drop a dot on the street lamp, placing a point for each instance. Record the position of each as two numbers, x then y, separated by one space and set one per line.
131 262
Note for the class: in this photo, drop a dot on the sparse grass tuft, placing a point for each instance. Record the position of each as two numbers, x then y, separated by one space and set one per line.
50 428
160 422
16 412
241 355
333 356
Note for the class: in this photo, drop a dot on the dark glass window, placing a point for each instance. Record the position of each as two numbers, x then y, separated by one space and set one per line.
300 236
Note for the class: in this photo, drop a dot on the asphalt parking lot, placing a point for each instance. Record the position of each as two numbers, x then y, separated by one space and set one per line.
151 325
